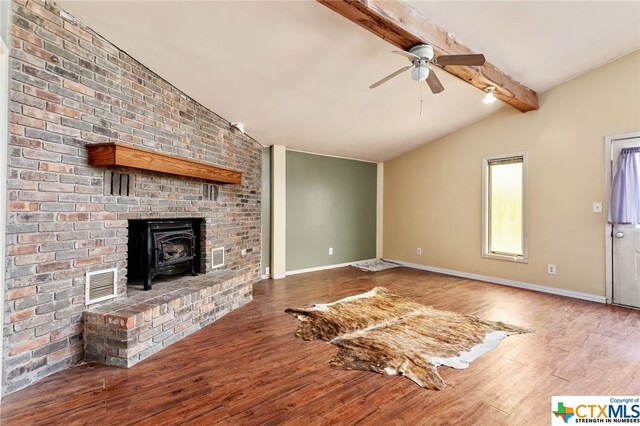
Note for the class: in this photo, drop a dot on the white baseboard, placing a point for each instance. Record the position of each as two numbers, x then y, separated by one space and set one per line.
325 267
510 283
266 276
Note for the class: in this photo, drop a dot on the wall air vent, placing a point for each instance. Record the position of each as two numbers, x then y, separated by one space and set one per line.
100 285
210 192
118 184
217 257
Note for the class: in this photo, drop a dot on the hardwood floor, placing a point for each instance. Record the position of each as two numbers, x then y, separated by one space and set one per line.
248 368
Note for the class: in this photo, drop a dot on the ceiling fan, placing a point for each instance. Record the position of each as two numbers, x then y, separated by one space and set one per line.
420 56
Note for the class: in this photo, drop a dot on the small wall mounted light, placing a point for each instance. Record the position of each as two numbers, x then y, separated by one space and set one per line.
238 126
489 98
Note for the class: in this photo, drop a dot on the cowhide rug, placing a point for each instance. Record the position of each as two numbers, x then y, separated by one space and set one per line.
390 334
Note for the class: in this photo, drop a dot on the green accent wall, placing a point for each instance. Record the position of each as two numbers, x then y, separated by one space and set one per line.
331 202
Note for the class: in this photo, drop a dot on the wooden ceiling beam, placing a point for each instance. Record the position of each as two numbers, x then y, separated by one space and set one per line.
404 27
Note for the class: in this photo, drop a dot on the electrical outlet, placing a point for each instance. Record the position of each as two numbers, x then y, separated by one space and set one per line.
267 270
551 269
330 251
418 250
597 207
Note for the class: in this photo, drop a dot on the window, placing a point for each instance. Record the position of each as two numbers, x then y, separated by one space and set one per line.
504 206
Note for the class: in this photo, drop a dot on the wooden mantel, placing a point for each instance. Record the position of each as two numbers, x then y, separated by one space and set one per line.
117 154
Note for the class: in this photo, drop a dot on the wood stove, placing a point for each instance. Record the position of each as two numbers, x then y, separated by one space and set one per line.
162 248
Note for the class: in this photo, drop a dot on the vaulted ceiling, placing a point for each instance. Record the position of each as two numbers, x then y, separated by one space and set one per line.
296 73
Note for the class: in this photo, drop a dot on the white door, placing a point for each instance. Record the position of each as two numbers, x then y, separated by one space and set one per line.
626 246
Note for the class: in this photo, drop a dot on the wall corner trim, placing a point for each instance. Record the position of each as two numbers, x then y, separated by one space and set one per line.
278 211
511 283
380 211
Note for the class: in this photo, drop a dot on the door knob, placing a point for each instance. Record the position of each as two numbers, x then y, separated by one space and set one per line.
619 234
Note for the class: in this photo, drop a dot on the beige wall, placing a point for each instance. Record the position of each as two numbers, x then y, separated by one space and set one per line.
432 195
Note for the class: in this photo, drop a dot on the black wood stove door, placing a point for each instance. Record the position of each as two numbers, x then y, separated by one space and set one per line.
162 248
173 248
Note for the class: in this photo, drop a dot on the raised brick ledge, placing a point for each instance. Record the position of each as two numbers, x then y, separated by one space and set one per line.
127 331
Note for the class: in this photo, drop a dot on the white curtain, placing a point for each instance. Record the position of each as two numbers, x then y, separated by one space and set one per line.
625 192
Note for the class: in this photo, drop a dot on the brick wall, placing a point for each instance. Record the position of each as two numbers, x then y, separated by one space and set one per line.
69 87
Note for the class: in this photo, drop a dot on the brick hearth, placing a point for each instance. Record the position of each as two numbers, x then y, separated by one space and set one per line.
124 333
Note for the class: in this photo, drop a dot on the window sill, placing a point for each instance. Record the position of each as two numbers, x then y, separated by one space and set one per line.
515 259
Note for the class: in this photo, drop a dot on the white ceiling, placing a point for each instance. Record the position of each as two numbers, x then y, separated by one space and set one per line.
541 43
297 74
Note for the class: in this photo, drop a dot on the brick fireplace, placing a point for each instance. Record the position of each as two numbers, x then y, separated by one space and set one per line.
69 88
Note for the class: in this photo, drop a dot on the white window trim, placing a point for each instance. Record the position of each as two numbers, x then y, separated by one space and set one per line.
525 208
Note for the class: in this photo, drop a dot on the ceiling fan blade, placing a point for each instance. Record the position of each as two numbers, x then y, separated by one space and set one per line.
389 77
407 54
475 59
434 83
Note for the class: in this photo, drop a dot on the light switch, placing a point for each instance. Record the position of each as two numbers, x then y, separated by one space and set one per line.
597 207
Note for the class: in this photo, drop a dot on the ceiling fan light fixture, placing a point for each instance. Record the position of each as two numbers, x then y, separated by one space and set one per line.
489 98
421 55
420 72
